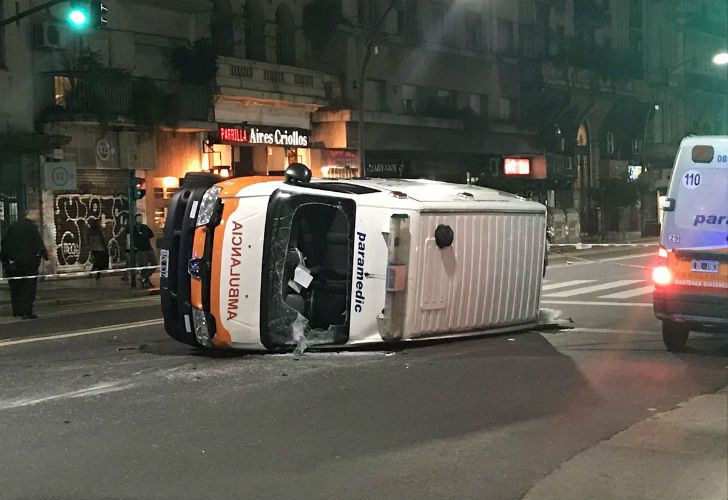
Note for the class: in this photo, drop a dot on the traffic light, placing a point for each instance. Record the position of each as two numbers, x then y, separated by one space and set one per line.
99 13
139 189
79 15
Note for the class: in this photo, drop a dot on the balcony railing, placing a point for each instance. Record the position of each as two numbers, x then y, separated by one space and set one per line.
243 78
120 95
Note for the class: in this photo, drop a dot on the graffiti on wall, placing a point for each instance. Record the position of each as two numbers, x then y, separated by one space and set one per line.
73 214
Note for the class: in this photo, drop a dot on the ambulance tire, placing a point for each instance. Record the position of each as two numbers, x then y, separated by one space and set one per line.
674 335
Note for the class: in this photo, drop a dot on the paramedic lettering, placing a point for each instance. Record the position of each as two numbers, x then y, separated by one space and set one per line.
710 219
359 295
234 283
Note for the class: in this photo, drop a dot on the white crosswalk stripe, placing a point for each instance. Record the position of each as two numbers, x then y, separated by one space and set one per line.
565 284
593 288
628 294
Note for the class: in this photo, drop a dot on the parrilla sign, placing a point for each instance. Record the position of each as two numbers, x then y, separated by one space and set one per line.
264 135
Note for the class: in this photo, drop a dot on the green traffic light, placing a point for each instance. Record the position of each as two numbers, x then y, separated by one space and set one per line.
78 18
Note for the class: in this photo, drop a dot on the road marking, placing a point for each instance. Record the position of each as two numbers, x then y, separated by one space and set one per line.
583 262
564 284
94 390
628 294
81 333
594 288
596 303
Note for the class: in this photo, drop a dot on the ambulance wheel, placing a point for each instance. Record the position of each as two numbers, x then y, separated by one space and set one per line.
674 335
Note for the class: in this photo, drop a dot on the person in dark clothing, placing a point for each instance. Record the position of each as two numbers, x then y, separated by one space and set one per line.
22 251
99 247
145 255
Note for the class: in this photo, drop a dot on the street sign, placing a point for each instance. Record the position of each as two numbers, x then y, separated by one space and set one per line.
60 176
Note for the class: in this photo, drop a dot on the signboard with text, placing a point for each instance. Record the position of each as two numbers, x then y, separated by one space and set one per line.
264 135
385 168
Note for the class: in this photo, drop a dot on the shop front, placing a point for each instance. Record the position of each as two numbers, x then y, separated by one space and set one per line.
243 149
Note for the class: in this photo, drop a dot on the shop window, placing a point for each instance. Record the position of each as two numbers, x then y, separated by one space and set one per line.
61 88
285 36
254 20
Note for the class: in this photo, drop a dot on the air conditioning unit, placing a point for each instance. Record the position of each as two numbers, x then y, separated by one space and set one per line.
47 36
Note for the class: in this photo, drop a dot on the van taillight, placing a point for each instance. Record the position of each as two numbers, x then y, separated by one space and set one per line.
395 304
661 274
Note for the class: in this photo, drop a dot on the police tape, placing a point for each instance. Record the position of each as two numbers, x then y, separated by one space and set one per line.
587 246
78 274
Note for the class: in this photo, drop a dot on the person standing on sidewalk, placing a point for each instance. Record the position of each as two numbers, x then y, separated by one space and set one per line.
22 251
99 247
145 255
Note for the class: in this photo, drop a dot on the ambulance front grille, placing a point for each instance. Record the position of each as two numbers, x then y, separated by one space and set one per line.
490 277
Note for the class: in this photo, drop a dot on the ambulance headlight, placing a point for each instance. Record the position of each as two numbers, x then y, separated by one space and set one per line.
202 332
207 206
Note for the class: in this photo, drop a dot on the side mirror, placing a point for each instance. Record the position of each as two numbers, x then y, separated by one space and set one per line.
667 204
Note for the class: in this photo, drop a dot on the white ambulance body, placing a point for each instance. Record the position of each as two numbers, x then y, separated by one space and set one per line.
691 278
273 264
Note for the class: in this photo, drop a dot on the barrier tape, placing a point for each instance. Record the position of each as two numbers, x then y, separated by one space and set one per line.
587 246
78 274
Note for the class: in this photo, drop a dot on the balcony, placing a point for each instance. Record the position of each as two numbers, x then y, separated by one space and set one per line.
119 97
247 80
706 83
703 23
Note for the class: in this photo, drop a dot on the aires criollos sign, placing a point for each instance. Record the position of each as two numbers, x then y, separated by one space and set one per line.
264 135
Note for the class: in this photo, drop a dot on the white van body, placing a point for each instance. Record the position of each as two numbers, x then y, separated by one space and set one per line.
691 289
488 279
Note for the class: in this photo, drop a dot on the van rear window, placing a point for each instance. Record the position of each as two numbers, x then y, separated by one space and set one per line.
703 154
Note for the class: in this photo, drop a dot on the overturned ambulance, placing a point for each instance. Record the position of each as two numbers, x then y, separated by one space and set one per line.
267 263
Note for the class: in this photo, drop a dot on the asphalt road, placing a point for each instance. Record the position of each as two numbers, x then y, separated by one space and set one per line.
104 411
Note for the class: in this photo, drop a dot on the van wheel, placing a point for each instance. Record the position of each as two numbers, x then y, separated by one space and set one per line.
674 335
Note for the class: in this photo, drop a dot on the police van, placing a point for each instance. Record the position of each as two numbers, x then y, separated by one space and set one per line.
691 277
263 263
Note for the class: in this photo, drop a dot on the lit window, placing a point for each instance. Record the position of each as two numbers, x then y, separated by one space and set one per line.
61 87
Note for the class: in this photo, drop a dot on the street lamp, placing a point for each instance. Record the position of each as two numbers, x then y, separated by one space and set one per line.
720 59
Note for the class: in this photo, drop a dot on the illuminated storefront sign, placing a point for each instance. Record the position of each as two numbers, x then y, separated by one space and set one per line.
516 166
264 135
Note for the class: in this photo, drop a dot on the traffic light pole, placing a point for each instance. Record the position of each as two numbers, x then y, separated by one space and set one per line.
20 15
131 257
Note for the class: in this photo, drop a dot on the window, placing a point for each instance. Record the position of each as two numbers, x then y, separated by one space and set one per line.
2 36
476 104
635 14
505 35
254 20
441 27
375 95
285 36
411 21
61 89
446 100
610 143
409 99
504 108
473 31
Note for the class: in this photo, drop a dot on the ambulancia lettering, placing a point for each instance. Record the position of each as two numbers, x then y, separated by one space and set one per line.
236 254
359 294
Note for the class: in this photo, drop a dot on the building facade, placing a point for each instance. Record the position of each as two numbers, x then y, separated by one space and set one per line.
572 97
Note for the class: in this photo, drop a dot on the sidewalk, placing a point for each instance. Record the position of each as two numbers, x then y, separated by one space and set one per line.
679 454
56 294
